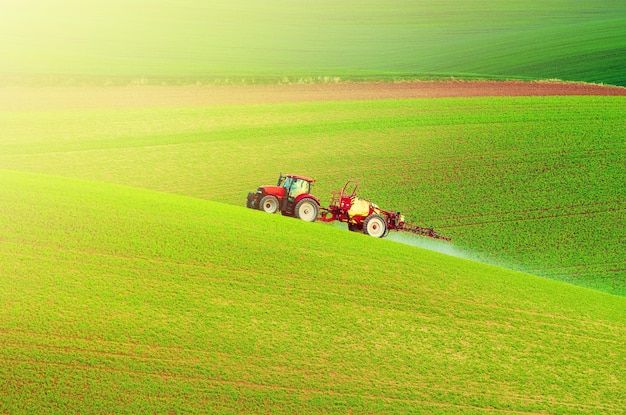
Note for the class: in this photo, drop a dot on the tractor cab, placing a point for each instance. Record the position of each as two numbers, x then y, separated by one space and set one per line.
295 185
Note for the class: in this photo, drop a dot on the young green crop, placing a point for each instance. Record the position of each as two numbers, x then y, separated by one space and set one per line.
194 41
529 183
116 299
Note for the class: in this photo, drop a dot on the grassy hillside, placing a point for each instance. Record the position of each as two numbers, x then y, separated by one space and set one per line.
192 40
115 298
534 184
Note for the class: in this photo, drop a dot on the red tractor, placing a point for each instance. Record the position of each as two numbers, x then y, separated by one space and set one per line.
291 196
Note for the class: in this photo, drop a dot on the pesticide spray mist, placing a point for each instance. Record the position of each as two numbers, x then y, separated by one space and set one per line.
442 247
449 248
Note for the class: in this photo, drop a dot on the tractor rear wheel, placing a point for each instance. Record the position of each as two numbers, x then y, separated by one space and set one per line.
375 225
307 210
269 204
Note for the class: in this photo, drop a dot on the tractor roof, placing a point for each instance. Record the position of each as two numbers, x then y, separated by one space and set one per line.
295 176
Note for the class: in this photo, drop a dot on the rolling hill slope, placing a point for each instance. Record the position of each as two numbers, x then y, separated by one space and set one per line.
278 40
116 297
531 183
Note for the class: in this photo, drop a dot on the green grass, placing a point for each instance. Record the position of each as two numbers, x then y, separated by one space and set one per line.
119 299
133 280
534 184
288 41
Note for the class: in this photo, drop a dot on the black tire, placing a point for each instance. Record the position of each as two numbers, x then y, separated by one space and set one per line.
250 201
269 204
307 210
375 225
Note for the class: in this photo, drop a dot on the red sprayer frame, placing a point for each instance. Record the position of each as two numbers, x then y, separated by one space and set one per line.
342 208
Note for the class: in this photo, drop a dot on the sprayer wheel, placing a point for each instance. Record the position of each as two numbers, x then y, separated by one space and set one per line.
375 225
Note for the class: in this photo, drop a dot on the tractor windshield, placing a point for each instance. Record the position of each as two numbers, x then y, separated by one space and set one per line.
294 186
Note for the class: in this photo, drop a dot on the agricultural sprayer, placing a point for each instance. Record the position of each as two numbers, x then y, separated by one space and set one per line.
291 196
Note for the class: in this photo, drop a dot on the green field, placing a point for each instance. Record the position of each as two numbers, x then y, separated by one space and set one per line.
189 41
116 299
133 279
534 184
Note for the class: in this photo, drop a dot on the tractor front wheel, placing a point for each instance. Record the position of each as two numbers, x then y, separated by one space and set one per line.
307 210
375 225
269 204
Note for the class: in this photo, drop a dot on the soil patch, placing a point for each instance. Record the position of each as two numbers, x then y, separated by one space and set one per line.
53 98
